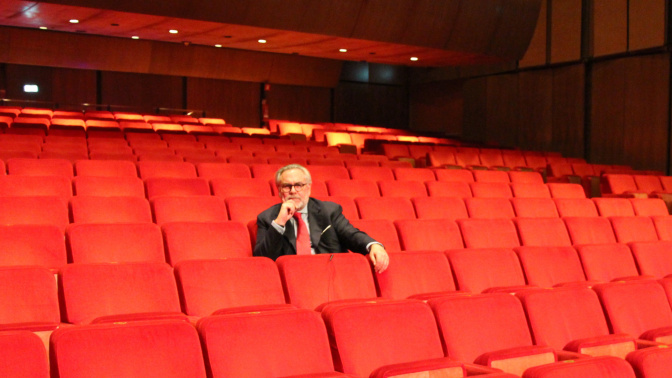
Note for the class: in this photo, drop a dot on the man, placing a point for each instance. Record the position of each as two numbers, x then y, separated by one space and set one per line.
279 228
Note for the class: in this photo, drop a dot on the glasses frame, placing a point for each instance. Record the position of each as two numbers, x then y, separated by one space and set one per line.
298 187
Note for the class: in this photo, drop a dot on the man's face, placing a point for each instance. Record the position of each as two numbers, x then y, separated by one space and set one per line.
299 197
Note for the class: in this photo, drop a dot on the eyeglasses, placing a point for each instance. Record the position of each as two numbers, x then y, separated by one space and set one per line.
286 188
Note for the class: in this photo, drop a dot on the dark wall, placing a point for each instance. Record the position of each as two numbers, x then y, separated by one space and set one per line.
144 91
237 102
66 86
303 104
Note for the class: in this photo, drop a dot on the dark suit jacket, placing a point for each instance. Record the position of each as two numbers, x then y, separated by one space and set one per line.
330 232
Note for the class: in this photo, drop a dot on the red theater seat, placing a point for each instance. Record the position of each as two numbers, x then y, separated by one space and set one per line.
454 175
189 209
123 186
90 209
439 208
176 187
534 207
614 207
311 281
102 293
575 207
24 355
428 234
490 330
297 338
489 208
448 189
40 167
542 232
390 208
488 233
353 188
400 331
408 189
174 169
491 189
483 269
638 308
113 350
607 262
223 170
590 230
231 187
34 210
598 367
649 206
16 185
29 299
653 258
120 242
382 230
563 190
401 279
633 229
551 266
246 209
206 240
29 244
414 174
526 190
232 284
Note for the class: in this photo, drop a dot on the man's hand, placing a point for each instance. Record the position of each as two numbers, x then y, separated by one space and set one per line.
287 211
379 258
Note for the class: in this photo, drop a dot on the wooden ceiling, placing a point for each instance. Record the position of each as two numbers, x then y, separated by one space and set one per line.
438 32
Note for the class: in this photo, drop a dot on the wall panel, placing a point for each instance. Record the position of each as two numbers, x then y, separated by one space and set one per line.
437 107
610 27
646 112
502 110
646 24
568 110
143 91
475 109
65 87
565 30
607 113
304 104
536 51
370 104
238 102
535 90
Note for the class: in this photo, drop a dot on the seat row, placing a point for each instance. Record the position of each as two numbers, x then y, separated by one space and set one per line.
468 327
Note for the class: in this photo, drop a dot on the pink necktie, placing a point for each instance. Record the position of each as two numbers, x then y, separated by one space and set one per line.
302 236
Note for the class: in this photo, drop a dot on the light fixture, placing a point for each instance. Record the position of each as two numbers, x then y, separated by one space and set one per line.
135 37
414 58
30 88
343 50
74 21
262 41
43 28
172 31
218 45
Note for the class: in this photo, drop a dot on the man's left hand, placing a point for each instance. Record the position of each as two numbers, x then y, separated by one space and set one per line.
379 258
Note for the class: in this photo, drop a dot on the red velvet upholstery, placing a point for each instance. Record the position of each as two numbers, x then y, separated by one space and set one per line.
16 185
147 169
189 209
114 292
136 349
106 168
221 170
633 229
390 208
92 209
576 207
614 207
590 230
40 167
540 232
119 242
439 208
245 209
551 266
381 230
428 234
311 281
456 189
29 299
407 189
176 187
210 285
353 188
534 207
599 367
206 240
24 355
29 244
653 258
607 262
489 208
488 233
123 186
295 342
477 270
401 279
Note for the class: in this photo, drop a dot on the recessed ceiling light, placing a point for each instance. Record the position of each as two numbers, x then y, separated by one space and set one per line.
43 28
262 41
414 58
135 37
343 50
172 31
74 21
218 45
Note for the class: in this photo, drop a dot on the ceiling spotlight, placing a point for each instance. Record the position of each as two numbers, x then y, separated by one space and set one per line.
218 45
43 28
343 50
74 21
135 37
414 58
172 31
262 41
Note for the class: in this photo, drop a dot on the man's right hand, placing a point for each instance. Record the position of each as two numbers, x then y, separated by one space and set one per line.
287 211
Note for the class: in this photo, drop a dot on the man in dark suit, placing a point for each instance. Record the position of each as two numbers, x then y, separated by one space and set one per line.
329 231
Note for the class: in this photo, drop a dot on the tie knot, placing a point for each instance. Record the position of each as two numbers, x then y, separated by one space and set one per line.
297 215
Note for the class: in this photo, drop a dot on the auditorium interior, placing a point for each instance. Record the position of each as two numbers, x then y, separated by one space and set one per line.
513 157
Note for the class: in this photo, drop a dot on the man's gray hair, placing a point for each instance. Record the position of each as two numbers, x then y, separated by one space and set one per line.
289 167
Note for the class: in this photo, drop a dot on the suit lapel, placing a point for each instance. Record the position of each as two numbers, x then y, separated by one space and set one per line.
314 218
